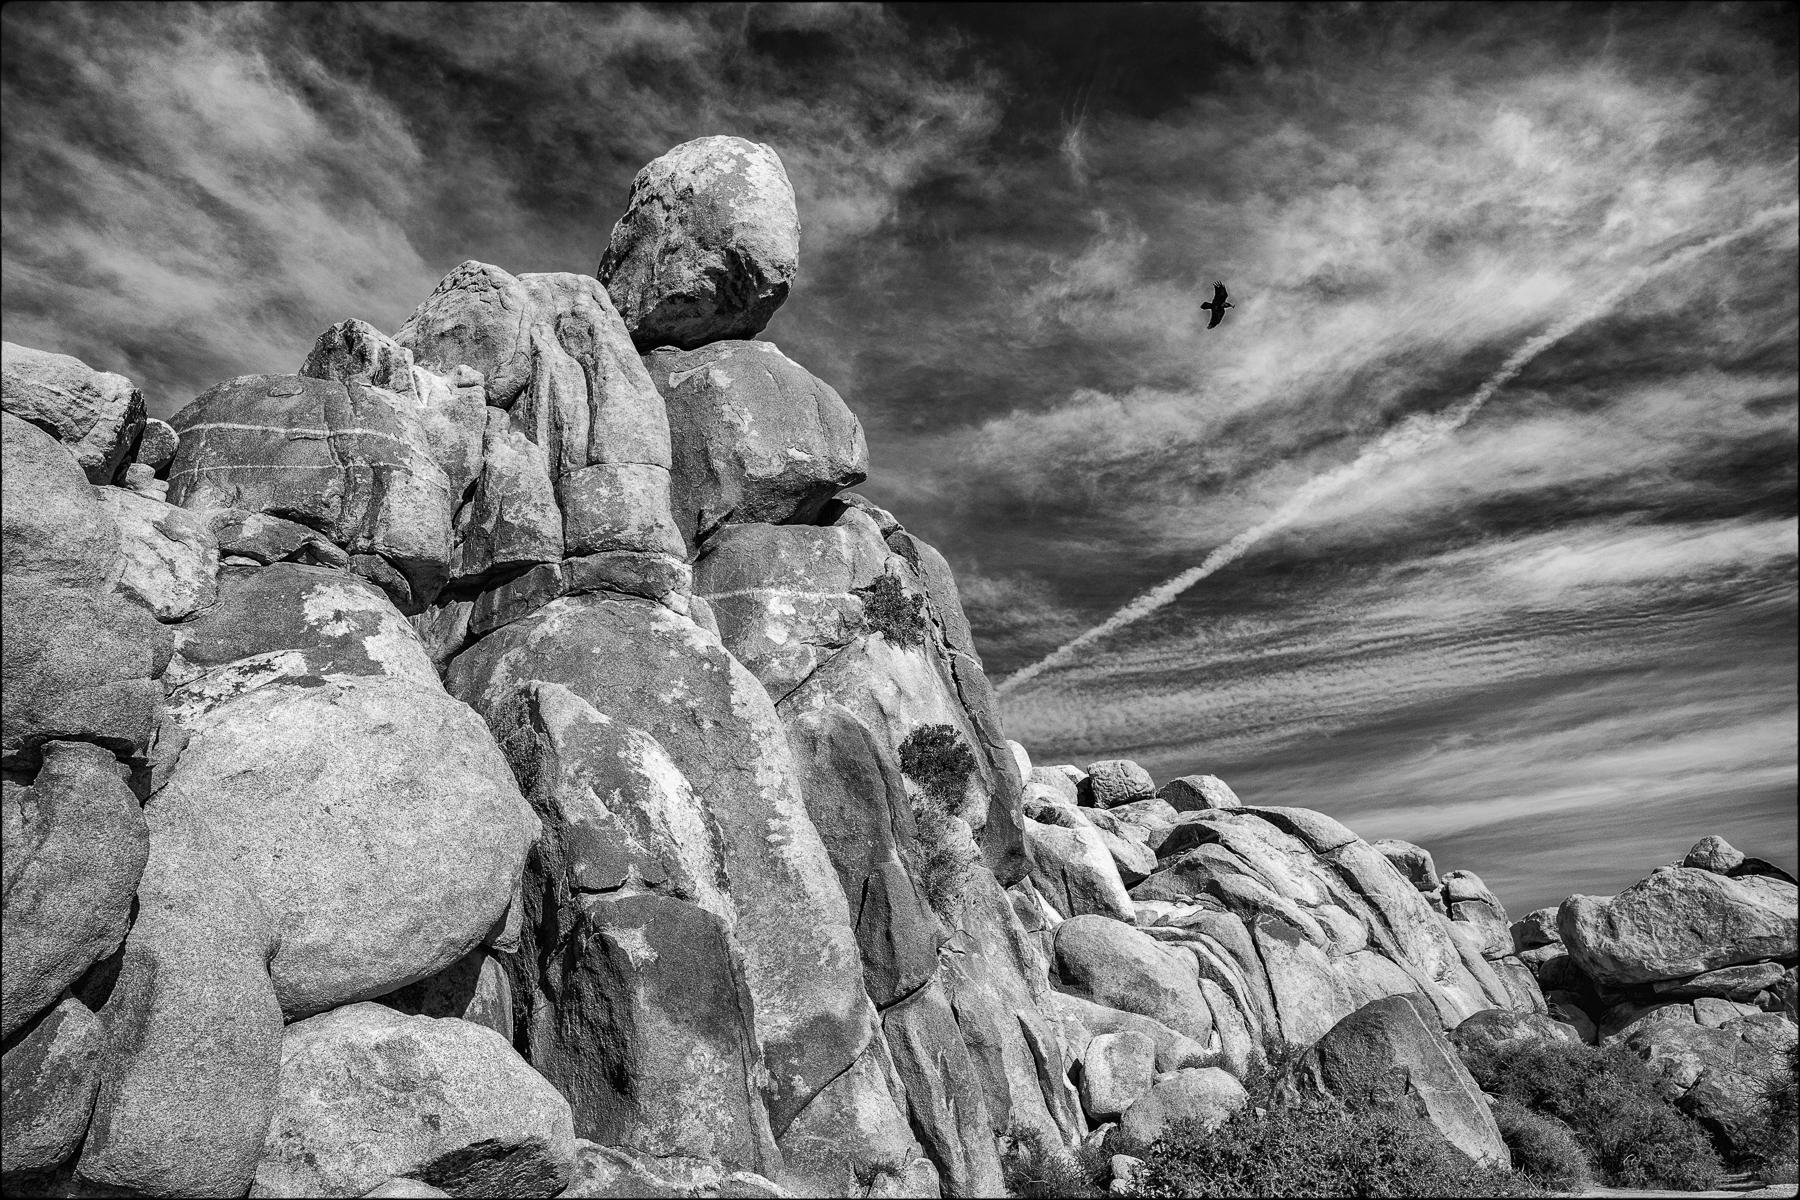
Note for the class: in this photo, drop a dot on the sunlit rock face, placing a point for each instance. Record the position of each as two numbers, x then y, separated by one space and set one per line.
499 757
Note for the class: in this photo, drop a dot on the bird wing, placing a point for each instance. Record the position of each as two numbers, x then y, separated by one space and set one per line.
1218 314
1218 293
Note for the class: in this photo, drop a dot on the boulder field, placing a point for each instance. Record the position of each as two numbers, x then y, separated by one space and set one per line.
500 758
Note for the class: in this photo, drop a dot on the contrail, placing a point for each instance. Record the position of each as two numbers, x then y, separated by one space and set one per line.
1416 433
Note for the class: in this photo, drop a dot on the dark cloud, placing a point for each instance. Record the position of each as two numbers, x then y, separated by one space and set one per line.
1582 601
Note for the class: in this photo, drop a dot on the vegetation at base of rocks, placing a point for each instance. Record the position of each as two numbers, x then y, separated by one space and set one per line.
888 609
1769 1134
1317 1147
1033 1165
1543 1149
940 763
1608 1098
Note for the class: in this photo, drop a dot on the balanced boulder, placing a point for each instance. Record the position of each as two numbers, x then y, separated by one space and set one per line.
708 246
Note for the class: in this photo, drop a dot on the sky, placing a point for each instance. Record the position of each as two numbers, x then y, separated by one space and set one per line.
1555 644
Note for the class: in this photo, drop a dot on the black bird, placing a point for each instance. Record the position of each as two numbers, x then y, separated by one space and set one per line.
1218 305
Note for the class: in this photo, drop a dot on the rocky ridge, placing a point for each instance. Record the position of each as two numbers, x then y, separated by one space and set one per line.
502 758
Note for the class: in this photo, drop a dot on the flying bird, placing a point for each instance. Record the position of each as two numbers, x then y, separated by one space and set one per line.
1218 306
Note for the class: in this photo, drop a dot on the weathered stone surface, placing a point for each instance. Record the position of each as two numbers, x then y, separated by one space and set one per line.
627 572
1740 983
1713 1012
451 409
787 597
350 460
156 445
1715 854
1468 900
708 245
947 1107
402 1186
857 801
853 1129
474 988
640 663
368 1093
996 978
648 1032
1113 964
169 556
616 1173
192 1030
78 666
1412 861
944 602
75 844
381 863
1390 1052
895 689
511 520
757 437
47 1084
96 414
1072 868
261 539
1118 781
1536 928
1207 1095
1194 793
1057 781
552 350
1680 921
1080 1021
1126 841
1717 1074
56 535
625 961
1496 1026
290 623
1116 1069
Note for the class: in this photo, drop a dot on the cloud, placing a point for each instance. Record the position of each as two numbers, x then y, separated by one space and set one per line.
194 193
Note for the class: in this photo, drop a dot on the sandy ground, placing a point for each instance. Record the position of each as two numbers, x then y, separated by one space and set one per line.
1777 1192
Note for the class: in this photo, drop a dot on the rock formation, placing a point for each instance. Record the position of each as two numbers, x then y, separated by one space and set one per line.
499 758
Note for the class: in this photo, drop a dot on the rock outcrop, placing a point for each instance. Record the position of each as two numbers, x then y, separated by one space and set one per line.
499 758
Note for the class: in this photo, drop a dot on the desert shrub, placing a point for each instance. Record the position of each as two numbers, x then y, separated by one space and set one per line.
1032 1165
888 609
1608 1098
1543 1149
1317 1147
1768 1135
940 763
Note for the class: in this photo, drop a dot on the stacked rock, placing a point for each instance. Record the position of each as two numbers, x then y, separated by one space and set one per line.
1218 934
1692 967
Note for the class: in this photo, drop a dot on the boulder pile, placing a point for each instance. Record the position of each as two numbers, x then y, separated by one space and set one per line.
1693 968
500 758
